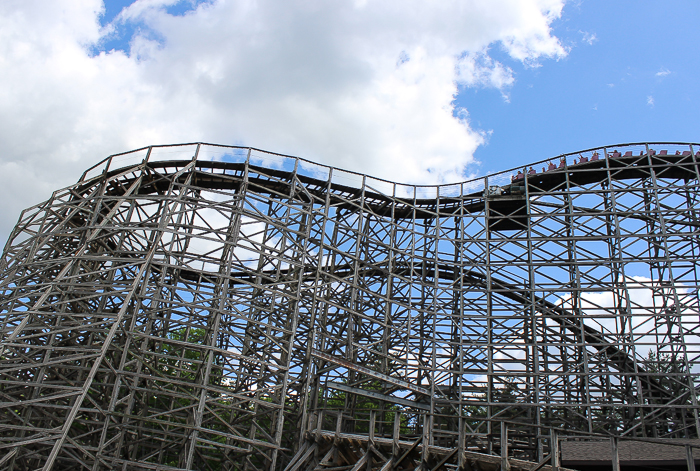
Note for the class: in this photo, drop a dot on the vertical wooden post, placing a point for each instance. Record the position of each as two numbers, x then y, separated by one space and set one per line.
554 450
312 421
615 454
336 439
425 443
397 431
505 465
319 425
689 457
370 438
338 425
461 444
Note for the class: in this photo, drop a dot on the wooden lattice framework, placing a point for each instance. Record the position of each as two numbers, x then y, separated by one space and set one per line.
221 308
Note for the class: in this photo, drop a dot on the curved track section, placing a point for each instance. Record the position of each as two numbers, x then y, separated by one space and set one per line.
219 308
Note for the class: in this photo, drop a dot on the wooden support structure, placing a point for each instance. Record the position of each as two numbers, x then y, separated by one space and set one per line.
225 308
614 445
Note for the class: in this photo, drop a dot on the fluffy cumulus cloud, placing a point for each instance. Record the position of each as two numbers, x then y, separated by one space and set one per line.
364 85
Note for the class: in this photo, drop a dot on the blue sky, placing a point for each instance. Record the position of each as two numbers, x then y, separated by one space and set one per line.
637 81
413 91
124 31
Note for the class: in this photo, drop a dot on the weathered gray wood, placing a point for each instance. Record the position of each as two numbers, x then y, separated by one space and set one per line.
190 311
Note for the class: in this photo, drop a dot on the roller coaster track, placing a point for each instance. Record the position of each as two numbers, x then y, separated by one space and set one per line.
134 335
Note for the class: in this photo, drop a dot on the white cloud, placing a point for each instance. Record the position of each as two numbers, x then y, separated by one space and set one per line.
663 72
650 101
480 70
589 38
367 86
